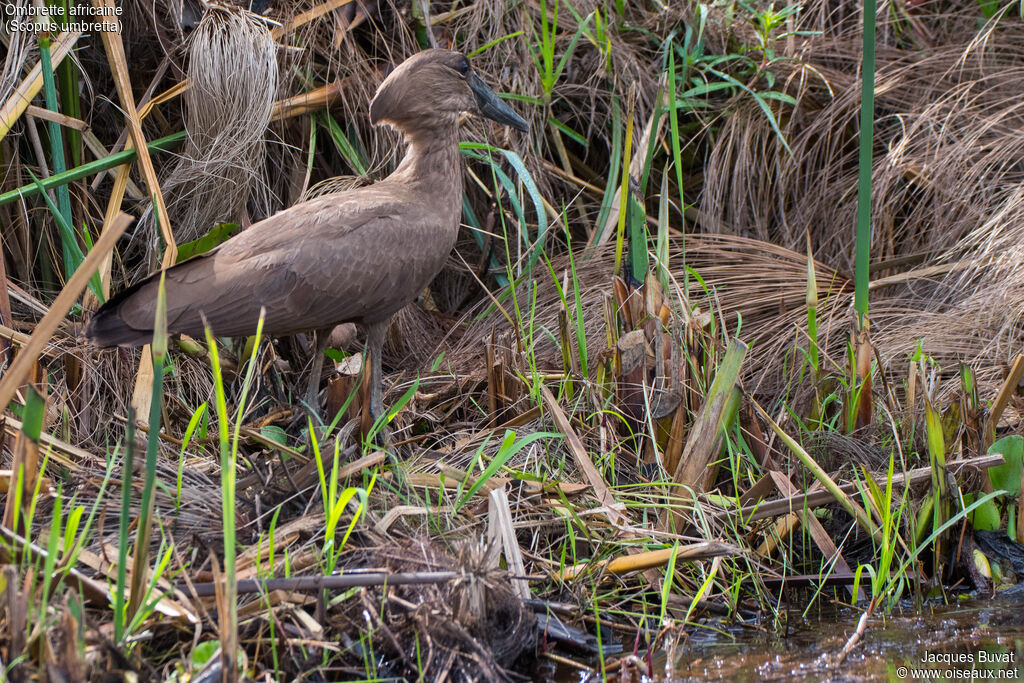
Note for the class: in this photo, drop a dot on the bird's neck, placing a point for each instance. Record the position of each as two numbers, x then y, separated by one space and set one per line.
432 160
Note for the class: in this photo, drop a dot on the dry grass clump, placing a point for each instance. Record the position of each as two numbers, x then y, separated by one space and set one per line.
470 629
761 284
948 166
581 456
233 84
19 49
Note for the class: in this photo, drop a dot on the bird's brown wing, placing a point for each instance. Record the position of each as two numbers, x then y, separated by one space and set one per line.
322 262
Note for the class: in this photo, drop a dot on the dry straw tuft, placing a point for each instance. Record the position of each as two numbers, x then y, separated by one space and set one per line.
233 76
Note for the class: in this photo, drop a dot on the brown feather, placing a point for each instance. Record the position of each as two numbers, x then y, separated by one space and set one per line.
354 256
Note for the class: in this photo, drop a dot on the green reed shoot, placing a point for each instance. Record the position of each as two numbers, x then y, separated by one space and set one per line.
864 162
228 459
144 529
70 100
509 447
886 585
56 140
624 192
335 504
193 423
124 523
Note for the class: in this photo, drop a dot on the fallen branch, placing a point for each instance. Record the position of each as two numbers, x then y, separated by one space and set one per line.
657 558
317 583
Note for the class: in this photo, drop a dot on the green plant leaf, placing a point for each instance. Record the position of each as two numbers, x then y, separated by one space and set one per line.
1007 476
481 152
275 434
509 447
219 234
35 408
984 517
760 99
203 652
348 150
990 7
488 46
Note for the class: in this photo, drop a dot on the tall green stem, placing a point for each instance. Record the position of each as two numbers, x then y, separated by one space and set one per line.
867 121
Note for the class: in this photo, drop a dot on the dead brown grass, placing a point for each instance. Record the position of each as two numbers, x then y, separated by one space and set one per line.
948 215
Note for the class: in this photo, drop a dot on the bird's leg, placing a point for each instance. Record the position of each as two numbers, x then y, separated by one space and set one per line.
374 345
313 391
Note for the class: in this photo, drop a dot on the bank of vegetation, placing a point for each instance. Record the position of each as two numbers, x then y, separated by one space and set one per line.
656 389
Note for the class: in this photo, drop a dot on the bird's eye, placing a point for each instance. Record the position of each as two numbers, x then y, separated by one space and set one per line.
463 67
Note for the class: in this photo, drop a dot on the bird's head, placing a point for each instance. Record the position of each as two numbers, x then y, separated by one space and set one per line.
433 88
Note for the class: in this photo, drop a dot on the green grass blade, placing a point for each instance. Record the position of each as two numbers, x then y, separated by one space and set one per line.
140 567
759 98
661 250
348 150
127 156
614 165
56 138
487 46
864 162
69 98
639 261
124 523
509 447
229 621
624 194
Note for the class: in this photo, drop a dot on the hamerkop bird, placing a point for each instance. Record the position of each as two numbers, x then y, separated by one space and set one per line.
355 256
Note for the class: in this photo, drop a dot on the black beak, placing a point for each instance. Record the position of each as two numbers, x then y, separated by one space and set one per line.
492 106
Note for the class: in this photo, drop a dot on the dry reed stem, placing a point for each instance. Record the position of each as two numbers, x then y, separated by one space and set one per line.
100 151
20 99
142 395
694 552
122 81
612 508
307 102
695 468
1010 386
56 117
306 17
121 180
501 536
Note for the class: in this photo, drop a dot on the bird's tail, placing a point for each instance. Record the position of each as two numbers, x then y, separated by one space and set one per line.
108 328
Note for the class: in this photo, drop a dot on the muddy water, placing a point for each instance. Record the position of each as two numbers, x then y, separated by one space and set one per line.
972 640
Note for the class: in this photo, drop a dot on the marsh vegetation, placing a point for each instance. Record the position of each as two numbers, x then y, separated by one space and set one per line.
715 340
